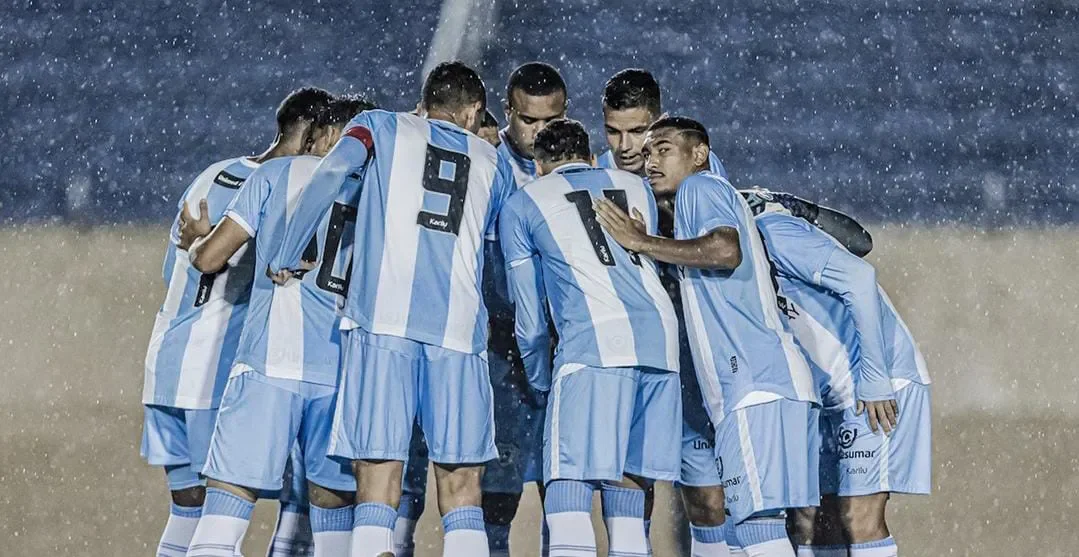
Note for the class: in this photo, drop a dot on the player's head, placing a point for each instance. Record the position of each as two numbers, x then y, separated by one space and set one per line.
298 117
489 129
559 142
535 95
455 92
343 109
674 148
631 102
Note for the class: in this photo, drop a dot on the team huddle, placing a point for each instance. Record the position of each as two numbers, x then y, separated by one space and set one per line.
379 292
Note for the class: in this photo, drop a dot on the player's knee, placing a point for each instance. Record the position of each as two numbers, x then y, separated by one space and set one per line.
458 486
239 491
378 481
801 524
704 505
863 517
189 497
327 498
500 508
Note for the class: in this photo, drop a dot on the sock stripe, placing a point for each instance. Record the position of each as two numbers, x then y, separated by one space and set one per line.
173 546
709 534
886 542
331 520
223 503
185 512
564 496
761 530
374 514
463 518
621 501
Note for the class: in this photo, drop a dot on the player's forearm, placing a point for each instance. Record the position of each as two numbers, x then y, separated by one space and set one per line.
204 258
536 356
855 281
316 198
719 249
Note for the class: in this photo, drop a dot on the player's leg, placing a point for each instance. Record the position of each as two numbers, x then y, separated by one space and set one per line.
372 425
769 457
331 485
623 515
292 533
702 494
816 531
165 443
532 415
255 432
587 436
503 481
653 452
413 495
457 415
873 465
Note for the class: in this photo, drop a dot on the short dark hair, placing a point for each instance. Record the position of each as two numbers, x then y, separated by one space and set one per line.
489 120
535 79
452 85
632 88
306 103
345 108
562 139
686 126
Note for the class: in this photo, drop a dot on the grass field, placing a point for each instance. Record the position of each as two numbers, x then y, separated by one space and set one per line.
995 315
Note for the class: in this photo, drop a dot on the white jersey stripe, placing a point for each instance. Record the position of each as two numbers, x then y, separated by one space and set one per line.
703 360
173 297
828 353
395 279
749 460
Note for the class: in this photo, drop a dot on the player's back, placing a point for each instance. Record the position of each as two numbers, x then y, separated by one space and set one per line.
609 307
742 345
291 331
197 327
429 197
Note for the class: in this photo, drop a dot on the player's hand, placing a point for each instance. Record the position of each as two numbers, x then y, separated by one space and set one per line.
628 231
282 277
883 414
192 228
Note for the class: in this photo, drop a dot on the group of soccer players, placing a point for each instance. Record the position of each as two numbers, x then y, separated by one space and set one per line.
378 291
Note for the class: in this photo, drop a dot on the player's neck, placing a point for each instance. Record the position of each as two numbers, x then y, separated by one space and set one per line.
512 144
281 147
443 116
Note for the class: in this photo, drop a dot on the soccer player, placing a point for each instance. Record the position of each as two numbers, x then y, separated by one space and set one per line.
631 102
864 360
614 412
284 379
414 324
757 385
536 94
489 129
197 328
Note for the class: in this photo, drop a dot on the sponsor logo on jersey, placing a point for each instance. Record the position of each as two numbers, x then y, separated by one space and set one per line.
227 180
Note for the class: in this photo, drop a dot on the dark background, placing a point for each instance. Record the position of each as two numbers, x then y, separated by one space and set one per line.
957 110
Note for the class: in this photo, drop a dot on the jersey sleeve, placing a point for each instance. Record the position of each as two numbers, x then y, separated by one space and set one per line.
246 209
350 155
504 186
704 204
524 279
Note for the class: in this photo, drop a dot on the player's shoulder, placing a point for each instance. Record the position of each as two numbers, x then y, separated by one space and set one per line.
706 183
625 180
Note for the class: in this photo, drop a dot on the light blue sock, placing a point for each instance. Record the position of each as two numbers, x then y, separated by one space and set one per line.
567 507
331 530
224 522
409 512
623 513
464 532
756 531
709 534
372 528
879 548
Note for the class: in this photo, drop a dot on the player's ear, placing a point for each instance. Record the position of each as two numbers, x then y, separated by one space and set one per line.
506 109
700 155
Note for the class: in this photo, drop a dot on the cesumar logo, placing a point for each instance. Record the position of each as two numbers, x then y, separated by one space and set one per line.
847 436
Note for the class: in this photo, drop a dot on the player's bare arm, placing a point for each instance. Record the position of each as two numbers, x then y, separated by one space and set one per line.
192 228
718 249
211 254
882 414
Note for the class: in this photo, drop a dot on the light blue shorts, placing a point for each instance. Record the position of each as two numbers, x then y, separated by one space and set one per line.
603 423
769 456
178 440
700 468
260 420
388 381
855 461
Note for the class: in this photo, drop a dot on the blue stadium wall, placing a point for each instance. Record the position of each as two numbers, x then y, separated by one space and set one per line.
959 110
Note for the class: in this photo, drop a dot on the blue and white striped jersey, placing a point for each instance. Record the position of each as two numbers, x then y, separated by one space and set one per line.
608 305
606 160
291 331
197 328
743 349
905 361
524 168
429 195
834 309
